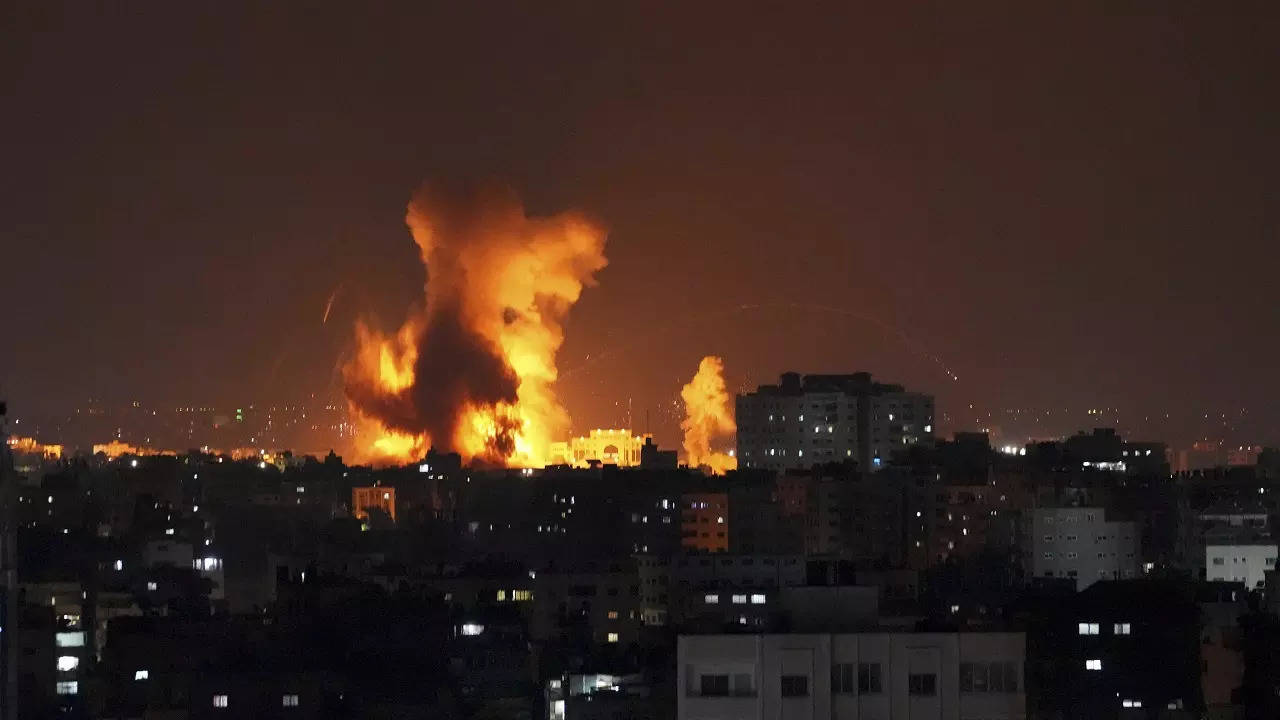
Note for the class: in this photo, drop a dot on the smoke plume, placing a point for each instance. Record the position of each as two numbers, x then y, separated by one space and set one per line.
707 416
473 370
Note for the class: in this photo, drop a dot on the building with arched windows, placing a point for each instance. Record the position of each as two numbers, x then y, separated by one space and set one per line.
607 447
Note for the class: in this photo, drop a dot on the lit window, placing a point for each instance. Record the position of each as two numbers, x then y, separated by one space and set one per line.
289 701
69 639
1089 629
119 565
151 585
386 496
739 599
67 663
1122 628
612 637
220 701
70 687
141 674
757 599
521 595
1093 664
1132 703
719 519
502 596
613 614
711 599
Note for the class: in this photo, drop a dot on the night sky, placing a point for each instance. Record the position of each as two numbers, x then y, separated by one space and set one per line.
1066 208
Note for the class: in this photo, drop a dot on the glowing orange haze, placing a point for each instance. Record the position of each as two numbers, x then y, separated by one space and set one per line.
508 282
707 416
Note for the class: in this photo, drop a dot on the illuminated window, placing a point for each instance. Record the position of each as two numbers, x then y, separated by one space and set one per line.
141 674
739 599
1093 664
1122 628
70 687
502 596
612 637
757 599
151 585
67 663
472 629
521 595
289 701
221 701
613 614
1131 703
69 639
1088 628
711 599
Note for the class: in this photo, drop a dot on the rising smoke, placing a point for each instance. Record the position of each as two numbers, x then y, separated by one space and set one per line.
473 370
707 417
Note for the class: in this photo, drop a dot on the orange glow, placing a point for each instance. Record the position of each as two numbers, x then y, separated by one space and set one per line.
507 282
707 417
30 446
115 449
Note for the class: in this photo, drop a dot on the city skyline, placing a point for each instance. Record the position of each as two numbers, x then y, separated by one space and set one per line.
839 225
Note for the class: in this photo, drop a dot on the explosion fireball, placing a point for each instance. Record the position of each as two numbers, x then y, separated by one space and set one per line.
473 370
707 416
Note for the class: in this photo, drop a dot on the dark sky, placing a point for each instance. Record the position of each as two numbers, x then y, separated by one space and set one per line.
1068 207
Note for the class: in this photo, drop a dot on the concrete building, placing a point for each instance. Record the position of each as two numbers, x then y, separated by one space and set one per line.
704 521
380 498
862 676
1080 543
829 418
604 601
600 696
1246 562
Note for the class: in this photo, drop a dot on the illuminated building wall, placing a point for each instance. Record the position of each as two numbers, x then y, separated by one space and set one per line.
29 446
608 447
115 449
383 498
704 522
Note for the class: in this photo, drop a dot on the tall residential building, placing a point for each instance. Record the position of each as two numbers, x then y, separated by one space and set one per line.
881 675
811 419
1081 544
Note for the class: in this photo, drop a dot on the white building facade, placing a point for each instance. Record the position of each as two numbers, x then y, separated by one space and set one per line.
1247 563
856 676
1081 544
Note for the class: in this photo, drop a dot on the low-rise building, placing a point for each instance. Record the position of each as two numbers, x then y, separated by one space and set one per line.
1080 543
1244 562
880 675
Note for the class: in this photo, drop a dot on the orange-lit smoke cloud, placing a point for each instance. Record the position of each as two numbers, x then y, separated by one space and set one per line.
474 370
707 416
